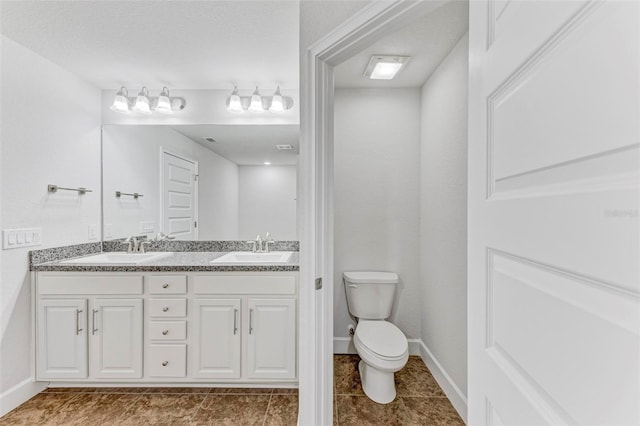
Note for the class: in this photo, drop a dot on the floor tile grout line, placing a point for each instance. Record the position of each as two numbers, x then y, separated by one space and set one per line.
199 406
118 419
266 412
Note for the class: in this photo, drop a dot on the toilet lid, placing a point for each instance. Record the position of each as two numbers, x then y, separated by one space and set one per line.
382 338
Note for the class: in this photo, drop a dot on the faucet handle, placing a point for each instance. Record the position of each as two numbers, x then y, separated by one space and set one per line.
132 243
141 245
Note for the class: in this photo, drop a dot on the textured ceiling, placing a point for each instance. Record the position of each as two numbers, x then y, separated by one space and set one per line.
181 44
428 40
248 145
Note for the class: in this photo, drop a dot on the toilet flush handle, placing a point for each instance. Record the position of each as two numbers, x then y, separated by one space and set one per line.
353 286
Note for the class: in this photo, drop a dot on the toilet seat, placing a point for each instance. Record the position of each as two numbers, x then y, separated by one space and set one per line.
381 339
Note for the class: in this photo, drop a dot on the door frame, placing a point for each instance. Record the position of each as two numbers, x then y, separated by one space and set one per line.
315 211
164 151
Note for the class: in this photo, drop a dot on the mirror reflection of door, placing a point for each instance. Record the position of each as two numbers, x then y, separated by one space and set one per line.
179 197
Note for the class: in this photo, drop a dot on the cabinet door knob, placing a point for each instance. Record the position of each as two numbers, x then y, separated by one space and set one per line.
165 285
165 363
165 332
165 309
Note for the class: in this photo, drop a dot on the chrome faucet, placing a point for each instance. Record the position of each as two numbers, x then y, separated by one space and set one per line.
135 246
260 245
132 243
267 243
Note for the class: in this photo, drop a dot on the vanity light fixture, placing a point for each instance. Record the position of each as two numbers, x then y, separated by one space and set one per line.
164 102
121 102
144 104
385 67
277 102
234 102
255 103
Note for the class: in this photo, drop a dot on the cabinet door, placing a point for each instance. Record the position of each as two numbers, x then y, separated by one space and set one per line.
116 339
271 352
216 351
62 339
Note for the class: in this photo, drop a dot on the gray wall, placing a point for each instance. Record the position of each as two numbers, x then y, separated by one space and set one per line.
376 196
443 214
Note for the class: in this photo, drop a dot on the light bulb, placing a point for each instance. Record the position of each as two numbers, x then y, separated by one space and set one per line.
256 102
277 102
164 102
142 102
235 103
121 103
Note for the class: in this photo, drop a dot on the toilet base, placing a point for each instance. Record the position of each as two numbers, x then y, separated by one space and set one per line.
377 385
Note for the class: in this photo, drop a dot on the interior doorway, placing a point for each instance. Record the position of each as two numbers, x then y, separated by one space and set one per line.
179 196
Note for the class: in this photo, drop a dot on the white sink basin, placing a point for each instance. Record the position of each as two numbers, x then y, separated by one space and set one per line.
245 257
118 258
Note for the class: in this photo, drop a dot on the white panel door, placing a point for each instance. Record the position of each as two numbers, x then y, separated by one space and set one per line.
116 339
216 352
554 276
271 343
179 197
62 339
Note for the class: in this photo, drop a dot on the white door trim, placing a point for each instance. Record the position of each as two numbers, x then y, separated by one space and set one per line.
164 151
316 182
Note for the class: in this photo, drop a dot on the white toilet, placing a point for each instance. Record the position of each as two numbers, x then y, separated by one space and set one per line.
381 345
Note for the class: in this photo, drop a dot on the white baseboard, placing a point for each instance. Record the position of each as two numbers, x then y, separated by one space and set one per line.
455 395
344 345
20 393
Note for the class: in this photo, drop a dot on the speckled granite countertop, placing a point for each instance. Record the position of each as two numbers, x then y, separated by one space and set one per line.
186 256
176 262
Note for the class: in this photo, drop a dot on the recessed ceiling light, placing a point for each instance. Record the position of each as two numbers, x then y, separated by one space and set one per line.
267 163
284 147
385 67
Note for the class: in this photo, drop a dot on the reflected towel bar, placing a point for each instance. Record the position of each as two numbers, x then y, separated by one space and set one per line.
134 195
55 188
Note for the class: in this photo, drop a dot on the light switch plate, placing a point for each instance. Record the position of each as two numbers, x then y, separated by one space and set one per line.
21 237
93 232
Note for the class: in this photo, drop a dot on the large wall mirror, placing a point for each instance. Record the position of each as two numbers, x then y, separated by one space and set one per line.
206 182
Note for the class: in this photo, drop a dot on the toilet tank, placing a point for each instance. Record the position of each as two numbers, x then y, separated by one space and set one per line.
370 294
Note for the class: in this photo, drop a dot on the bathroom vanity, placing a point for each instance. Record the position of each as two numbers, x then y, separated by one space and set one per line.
177 320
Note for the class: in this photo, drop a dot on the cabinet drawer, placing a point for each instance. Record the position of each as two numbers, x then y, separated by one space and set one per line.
243 284
89 284
167 361
167 330
167 284
168 307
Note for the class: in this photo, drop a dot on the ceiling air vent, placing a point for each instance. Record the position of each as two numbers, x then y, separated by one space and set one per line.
284 147
209 139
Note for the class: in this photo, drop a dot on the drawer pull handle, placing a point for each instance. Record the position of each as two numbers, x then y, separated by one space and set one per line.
165 309
250 321
165 332
94 328
165 285
78 329
165 363
235 321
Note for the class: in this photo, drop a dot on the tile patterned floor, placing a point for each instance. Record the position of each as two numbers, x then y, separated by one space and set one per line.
420 401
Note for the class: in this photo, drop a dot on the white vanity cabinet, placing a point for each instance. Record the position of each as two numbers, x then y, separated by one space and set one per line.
157 327
245 325
89 327
271 338
216 327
